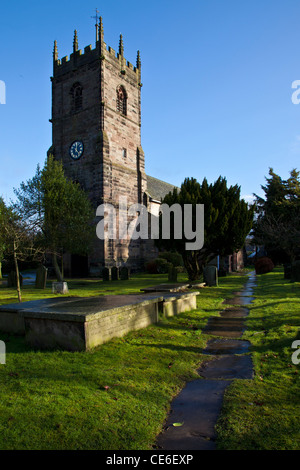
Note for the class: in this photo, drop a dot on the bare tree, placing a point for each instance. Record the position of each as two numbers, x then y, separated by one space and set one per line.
19 240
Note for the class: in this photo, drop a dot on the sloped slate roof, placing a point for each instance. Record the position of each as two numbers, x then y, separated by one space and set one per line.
157 189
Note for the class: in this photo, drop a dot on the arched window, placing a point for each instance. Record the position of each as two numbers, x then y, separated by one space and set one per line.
121 100
76 97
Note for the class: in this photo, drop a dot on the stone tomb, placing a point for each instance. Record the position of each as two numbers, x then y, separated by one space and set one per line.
78 324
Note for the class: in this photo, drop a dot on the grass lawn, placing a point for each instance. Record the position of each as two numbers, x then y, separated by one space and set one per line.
264 413
115 397
87 287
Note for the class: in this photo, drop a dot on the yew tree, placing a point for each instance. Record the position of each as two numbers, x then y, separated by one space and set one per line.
227 221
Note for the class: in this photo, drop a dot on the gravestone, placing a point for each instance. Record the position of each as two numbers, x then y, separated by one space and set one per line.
41 277
172 275
60 288
295 271
287 271
12 279
105 274
114 274
124 273
210 276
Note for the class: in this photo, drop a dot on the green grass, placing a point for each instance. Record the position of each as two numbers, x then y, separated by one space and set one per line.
87 287
264 413
60 400
115 397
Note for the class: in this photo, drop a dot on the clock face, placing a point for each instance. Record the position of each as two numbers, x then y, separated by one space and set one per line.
76 150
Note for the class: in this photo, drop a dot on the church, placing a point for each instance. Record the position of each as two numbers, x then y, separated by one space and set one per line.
96 134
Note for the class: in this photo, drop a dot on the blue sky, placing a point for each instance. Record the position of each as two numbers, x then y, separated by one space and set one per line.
217 83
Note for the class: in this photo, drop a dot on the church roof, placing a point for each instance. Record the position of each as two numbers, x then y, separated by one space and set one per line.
158 189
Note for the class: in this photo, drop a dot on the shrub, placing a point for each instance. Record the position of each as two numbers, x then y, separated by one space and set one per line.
158 266
151 267
174 258
264 265
162 265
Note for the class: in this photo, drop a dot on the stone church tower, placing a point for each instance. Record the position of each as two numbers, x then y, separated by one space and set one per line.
96 133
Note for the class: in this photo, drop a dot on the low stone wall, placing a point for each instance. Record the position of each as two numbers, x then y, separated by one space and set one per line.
11 319
120 321
79 324
181 303
12 322
77 332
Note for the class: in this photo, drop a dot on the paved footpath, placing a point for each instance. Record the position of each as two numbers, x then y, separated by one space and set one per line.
199 404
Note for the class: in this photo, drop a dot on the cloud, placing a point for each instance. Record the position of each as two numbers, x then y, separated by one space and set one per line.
248 198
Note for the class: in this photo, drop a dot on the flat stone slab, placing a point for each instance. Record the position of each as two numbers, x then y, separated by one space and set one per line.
234 312
228 368
77 309
17 307
197 406
167 288
226 327
226 346
241 300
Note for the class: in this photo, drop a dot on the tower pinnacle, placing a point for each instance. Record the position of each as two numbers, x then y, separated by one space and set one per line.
96 17
55 52
75 41
121 46
138 60
101 30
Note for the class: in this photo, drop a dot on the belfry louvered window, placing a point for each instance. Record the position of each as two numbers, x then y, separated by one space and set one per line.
122 100
76 97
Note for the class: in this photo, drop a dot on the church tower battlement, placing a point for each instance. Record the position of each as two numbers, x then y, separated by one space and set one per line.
100 52
96 132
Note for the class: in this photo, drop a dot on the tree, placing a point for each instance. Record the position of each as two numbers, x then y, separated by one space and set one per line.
17 240
227 221
2 243
58 210
277 225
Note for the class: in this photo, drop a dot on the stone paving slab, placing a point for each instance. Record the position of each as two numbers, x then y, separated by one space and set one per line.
226 346
228 368
197 407
234 312
226 327
242 300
